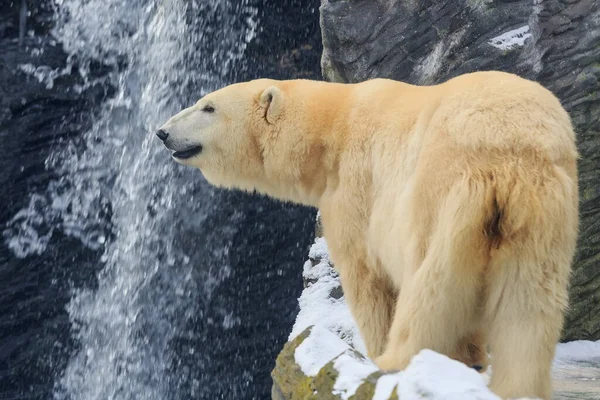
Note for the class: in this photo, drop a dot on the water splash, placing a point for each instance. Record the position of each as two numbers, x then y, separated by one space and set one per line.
118 192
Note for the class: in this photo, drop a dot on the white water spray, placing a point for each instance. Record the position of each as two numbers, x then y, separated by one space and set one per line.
119 191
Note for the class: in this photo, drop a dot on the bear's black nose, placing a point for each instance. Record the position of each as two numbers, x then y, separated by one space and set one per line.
162 135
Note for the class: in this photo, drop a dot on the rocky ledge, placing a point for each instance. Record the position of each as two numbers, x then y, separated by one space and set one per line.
324 356
324 359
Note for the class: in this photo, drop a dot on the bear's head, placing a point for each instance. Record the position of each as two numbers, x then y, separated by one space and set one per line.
224 133
248 135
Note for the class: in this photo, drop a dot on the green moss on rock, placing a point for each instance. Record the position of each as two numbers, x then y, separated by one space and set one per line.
290 383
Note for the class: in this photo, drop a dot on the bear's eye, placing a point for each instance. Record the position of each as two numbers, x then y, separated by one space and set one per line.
208 109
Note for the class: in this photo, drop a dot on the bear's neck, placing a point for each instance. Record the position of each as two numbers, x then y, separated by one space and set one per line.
328 140
305 161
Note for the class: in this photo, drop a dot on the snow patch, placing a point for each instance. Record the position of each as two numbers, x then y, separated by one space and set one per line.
319 251
578 350
511 39
429 375
386 385
352 372
320 347
435 376
317 307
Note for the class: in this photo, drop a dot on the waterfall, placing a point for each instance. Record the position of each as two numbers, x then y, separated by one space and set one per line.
118 191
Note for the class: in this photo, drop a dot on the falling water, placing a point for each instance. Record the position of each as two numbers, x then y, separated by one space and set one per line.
118 191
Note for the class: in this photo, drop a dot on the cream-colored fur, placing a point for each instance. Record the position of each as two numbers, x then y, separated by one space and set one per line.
450 211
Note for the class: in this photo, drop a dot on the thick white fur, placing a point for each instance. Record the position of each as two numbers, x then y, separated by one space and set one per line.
450 211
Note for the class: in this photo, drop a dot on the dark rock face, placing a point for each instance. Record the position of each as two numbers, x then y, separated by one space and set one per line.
556 43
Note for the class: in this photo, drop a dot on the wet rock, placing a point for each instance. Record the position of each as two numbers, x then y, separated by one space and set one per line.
554 42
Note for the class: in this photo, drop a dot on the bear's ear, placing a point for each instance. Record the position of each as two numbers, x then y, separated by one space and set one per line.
271 101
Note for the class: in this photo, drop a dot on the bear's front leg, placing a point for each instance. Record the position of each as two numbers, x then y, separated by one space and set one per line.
371 298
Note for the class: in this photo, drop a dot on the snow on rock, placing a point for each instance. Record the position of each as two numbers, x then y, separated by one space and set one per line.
579 350
317 307
576 370
334 335
386 385
353 370
334 338
511 39
318 349
428 376
434 376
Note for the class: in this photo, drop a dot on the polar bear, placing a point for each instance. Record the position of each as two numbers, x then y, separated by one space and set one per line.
450 211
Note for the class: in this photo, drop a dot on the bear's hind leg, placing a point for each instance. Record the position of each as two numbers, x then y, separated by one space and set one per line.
438 310
524 312
525 323
442 303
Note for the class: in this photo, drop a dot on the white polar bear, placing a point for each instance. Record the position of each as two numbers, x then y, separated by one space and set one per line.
450 211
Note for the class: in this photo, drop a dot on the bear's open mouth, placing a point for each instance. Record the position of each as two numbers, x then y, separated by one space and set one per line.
191 152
